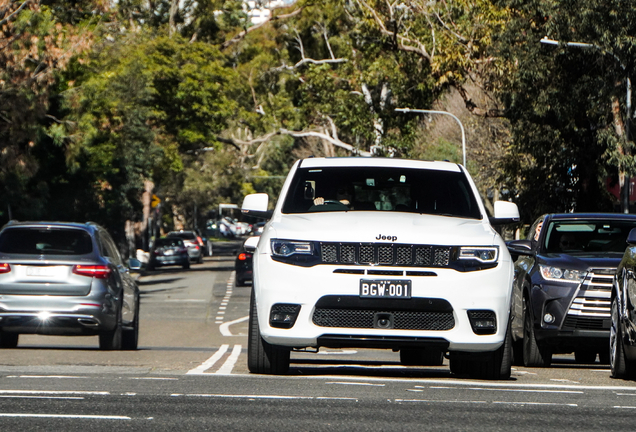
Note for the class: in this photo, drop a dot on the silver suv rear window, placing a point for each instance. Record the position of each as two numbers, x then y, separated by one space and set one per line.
45 241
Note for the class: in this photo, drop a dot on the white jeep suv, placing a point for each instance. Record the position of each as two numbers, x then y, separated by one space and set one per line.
382 253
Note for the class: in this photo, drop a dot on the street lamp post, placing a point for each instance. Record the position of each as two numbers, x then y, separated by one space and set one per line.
461 126
625 192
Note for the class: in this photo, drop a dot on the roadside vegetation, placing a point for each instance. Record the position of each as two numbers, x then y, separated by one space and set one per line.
105 104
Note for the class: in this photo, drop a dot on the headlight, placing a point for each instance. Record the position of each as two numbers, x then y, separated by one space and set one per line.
561 275
487 255
285 248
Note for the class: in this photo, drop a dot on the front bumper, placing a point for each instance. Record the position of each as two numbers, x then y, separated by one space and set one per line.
451 292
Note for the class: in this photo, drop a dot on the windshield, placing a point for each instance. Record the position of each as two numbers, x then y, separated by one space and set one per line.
588 236
381 189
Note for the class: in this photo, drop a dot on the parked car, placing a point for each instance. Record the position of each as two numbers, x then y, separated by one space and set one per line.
193 243
622 344
169 251
411 264
258 228
243 262
563 285
66 279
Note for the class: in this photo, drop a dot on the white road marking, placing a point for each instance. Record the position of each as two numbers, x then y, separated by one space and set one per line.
341 352
528 390
534 403
65 416
55 392
209 362
241 396
227 367
440 401
154 378
48 376
564 380
40 397
355 383
225 328
228 294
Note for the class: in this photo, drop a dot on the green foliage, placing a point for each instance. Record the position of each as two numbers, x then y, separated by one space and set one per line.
201 103
559 100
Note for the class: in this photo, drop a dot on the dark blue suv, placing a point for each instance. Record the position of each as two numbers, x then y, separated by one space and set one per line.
564 273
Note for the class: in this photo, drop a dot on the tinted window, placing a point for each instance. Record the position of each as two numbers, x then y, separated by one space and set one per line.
169 242
382 189
183 235
588 236
45 241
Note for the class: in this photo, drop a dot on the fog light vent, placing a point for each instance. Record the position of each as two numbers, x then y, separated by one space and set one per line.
483 322
283 315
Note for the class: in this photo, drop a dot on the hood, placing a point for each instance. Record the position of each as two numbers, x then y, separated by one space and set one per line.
582 260
390 227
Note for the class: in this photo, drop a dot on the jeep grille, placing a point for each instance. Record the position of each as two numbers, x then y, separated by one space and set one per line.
385 254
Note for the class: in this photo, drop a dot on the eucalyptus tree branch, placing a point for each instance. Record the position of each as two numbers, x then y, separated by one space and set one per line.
308 60
238 143
461 38
241 35
404 43
17 11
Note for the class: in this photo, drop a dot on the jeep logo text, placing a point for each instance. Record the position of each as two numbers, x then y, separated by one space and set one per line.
382 237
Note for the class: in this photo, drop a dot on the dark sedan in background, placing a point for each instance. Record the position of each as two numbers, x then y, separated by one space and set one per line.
169 251
563 284
243 262
66 279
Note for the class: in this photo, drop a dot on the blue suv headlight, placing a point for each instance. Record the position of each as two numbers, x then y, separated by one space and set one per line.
561 275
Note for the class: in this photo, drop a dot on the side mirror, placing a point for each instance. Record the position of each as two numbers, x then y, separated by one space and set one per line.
631 238
251 243
134 264
505 213
519 247
256 205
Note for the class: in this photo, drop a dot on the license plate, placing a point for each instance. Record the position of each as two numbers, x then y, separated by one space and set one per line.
386 288
44 271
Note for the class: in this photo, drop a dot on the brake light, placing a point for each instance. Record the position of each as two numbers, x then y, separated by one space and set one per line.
96 271
5 268
243 256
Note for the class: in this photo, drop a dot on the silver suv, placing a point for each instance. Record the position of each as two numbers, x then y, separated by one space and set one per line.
68 279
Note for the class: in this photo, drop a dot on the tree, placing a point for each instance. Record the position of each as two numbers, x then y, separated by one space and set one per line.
38 40
568 127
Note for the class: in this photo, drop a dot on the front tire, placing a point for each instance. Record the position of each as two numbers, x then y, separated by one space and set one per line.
620 366
534 355
262 357
499 364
